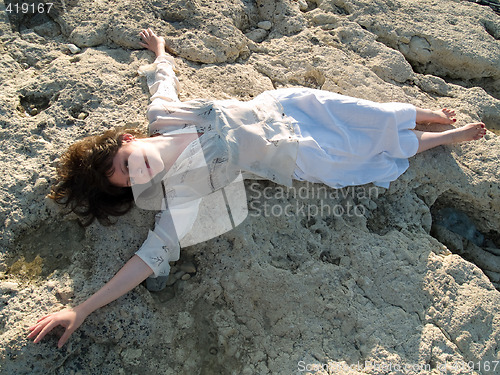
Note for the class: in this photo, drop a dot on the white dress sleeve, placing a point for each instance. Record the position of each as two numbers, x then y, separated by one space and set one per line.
161 79
162 244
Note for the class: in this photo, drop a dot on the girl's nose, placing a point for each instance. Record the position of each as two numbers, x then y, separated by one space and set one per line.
138 171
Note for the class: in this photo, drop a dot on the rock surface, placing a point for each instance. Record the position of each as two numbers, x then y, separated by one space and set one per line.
280 294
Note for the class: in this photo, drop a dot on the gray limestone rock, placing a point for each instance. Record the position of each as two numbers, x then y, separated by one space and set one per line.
278 293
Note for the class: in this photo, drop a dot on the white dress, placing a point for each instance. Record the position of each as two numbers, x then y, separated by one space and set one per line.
347 141
334 139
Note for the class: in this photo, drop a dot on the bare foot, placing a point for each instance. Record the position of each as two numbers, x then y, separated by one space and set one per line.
153 42
442 116
469 132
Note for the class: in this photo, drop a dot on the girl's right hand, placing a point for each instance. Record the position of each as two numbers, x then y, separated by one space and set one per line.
134 272
70 319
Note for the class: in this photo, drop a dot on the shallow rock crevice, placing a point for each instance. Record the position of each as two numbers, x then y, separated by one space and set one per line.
427 66
455 228
493 4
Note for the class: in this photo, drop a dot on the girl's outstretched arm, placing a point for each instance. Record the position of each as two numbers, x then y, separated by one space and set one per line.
132 274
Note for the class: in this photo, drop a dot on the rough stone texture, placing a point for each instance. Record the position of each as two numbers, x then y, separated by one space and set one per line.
436 49
279 293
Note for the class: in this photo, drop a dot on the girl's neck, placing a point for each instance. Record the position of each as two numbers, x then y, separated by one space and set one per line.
170 146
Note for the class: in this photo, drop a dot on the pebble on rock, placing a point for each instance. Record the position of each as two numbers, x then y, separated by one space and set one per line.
179 274
171 280
65 296
266 25
9 286
257 35
73 49
188 267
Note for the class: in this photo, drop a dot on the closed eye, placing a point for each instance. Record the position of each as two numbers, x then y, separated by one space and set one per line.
129 182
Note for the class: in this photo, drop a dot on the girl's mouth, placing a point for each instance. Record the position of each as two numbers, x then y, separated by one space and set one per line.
150 172
146 161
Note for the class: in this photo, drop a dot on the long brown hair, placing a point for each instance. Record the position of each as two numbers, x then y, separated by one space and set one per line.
82 183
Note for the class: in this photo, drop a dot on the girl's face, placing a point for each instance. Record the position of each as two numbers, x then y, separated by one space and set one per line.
136 162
